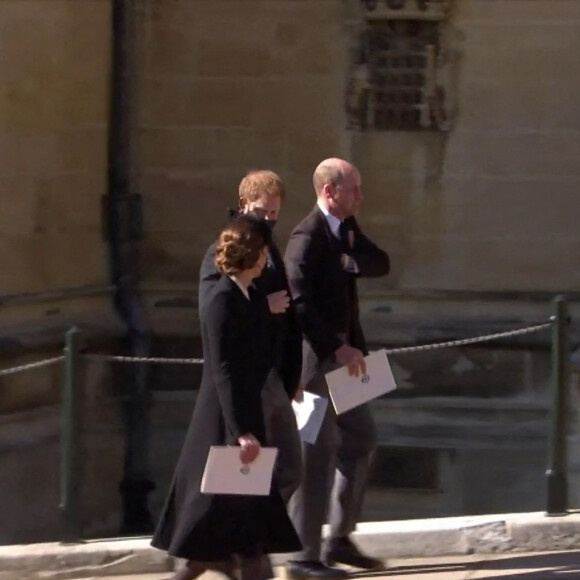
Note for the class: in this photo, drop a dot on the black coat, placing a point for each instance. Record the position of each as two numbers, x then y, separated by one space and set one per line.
236 350
284 330
324 293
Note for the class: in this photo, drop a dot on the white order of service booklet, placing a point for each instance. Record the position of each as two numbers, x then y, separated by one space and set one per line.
348 392
309 416
225 474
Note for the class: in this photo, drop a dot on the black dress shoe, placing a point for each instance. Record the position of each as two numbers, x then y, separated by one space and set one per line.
343 551
303 570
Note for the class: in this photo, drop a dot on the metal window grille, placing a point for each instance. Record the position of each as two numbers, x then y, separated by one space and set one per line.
394 84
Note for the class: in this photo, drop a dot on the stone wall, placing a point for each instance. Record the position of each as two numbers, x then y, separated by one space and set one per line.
222 87
226 87
488 205
493 203
53 110
54 80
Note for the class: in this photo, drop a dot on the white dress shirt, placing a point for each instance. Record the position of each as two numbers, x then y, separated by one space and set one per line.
333 221
349 263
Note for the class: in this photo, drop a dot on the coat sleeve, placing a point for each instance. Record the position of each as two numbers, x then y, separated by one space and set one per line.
208 276
292 363
372 262
240 403
302 257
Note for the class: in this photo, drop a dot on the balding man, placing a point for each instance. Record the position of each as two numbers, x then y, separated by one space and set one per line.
325 254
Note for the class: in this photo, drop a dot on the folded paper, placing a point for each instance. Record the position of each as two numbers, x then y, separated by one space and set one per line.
225 474
347 392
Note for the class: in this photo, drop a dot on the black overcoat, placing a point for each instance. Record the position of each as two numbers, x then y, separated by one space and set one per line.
324 293
285 333
237 360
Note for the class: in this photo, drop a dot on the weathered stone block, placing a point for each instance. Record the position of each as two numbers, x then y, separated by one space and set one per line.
519 104
525 11
164 103
541 52
64 253
173 211
397 153
171 51
490 264
32 388
25 106
240 150
82 150
69 202
17 216
317 56
288 34
23 265
489 537
512 154
309 107
30 455
82 99
22 60
27 152
213 102
306 151
87 32
549 534
530 209
105 558
231 58
184 149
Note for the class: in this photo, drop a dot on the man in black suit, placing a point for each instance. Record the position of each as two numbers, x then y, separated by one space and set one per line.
261 194
325 254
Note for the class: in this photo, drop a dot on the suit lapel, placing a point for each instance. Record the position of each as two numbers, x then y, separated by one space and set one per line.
322 222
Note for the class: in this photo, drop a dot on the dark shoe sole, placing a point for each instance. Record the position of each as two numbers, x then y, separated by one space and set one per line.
342 575
375 568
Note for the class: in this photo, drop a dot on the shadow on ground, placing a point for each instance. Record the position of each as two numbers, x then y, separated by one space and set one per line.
560 565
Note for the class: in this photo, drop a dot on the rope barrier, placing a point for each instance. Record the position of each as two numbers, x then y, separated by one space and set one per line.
464 341
452 343
142 359
29 366
197 361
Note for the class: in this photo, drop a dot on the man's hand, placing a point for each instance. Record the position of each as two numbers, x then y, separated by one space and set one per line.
250 448
352 358
349 264
278 301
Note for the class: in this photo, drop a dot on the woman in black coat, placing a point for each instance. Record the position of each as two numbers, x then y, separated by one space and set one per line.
223 532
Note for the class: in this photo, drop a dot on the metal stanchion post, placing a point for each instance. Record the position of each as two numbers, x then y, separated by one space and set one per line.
556 474
70 442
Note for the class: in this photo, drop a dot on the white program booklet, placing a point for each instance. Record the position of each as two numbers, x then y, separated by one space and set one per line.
309 415
348 392
226 474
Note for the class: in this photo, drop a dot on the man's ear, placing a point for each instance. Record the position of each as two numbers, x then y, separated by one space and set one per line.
327 191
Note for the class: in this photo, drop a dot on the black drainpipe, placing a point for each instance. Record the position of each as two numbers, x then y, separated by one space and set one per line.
123 228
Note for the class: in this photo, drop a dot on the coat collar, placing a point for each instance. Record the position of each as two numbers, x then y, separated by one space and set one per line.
324 225
333 222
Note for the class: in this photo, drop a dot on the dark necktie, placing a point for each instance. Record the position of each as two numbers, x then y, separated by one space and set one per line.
343 234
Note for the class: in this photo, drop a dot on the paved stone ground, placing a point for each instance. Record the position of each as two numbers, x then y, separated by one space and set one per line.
539 566
484 538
